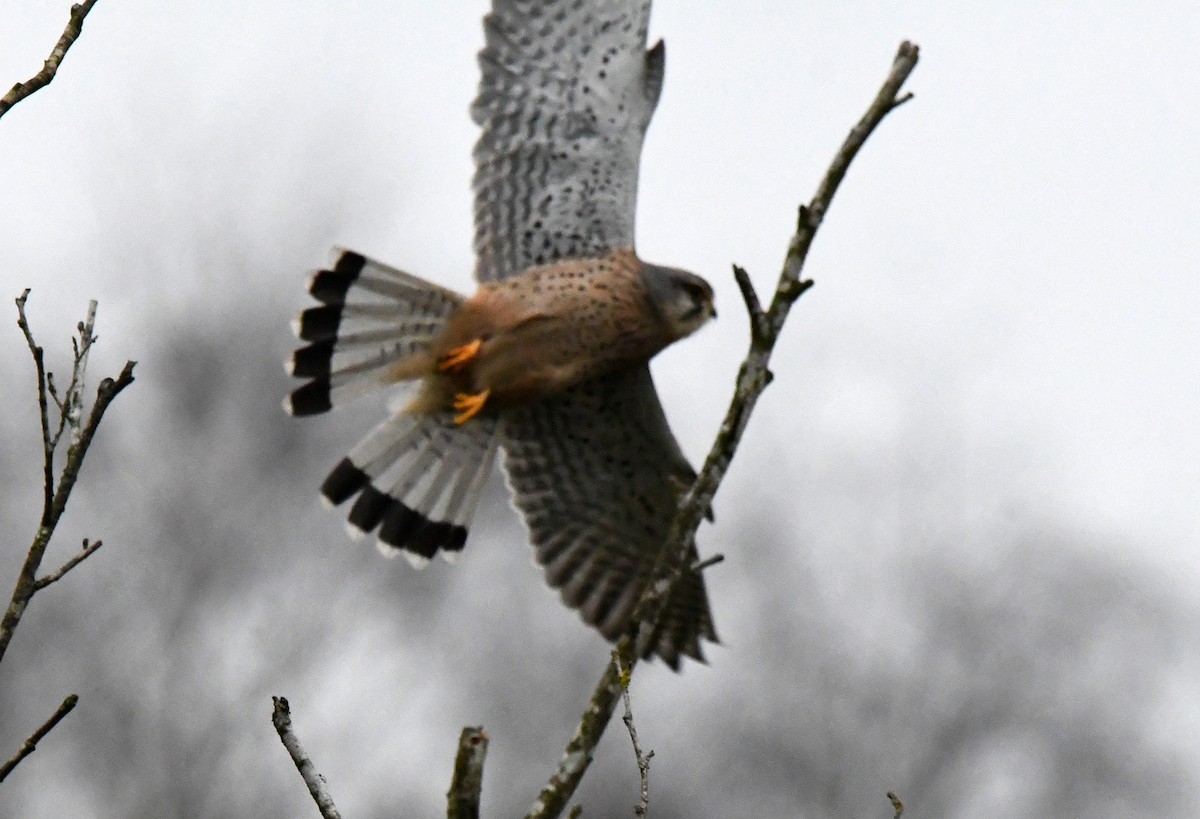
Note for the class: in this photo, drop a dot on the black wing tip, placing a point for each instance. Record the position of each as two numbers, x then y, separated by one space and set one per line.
311 399
398 524
319 323
431 536
369 510
319 326
330 286
457 539
400 527
313 361
350 264
344 481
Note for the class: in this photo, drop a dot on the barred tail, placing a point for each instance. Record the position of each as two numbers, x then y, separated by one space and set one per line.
417 476
418 479
370 318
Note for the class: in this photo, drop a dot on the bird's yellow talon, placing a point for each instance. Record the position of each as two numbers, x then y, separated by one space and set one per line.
469 405
457 358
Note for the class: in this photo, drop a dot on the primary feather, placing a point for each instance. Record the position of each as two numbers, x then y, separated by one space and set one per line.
566 95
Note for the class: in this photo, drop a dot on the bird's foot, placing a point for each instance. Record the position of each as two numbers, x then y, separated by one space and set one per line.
469 406
457 358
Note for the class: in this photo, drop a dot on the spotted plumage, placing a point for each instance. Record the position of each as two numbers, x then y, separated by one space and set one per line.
548 359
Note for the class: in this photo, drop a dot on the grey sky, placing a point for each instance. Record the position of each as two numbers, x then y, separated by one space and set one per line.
1020 239
1003 336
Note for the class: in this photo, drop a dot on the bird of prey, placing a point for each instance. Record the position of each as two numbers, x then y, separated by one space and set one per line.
548 360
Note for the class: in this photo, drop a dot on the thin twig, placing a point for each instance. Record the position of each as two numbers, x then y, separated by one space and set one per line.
52 388
43 78
758 319
30 745
281 718
105 393
701 565
73 411
70 406
39 361
55 497
83 554
467 783
642 808
897 805
753 377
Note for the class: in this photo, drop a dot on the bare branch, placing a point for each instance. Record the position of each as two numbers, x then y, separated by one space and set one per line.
82 555
281 718
39 361
73 410
582 744
897 805
754 375
105 393
52 388
758 319
642 808
70 405
467 783
56 497
752 378
30 745
43 78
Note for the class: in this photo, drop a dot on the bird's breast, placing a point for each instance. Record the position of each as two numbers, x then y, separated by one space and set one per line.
552 328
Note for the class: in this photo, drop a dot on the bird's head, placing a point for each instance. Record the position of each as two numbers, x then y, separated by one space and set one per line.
684 300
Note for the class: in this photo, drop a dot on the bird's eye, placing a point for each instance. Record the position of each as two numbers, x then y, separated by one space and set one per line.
695 292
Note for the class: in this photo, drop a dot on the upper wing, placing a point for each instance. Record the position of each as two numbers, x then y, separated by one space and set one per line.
597 476
566 95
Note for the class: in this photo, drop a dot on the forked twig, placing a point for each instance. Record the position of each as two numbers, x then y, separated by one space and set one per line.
83 554
55 496
642 808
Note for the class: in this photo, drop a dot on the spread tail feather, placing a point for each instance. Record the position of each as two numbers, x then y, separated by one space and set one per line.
418 478
371 317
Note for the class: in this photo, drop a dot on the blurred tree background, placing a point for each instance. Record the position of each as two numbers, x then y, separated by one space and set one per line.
917 594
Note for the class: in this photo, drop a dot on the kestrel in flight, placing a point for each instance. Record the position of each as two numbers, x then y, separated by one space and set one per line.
548 360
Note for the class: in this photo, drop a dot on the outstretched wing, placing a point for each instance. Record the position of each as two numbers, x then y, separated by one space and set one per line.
567 92
597 476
